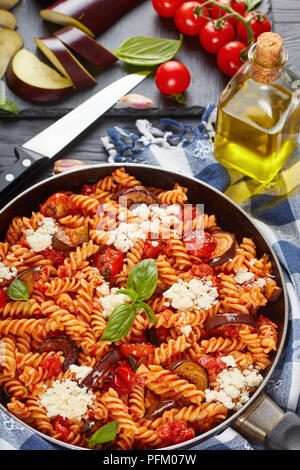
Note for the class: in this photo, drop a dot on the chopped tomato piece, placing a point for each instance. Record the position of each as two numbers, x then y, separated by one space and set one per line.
58 205
56 257
62 425
175 432
199 243
212 363
202 270
87 190
52 364
121 377
109 262
3 298
151 249
137 350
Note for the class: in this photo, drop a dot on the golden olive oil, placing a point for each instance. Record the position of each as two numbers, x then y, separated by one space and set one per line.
258 124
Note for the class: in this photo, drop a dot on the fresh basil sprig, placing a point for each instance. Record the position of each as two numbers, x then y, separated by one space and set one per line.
105 434
141 284
18 290
148 51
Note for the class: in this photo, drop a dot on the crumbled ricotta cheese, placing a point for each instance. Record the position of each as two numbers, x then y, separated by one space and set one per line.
113 300
67 399
7 272
80 371
125 236
233 386
194 293
260 282
168 214
41 238
242 276
104 289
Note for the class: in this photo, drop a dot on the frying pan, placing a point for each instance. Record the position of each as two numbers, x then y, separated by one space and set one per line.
260 418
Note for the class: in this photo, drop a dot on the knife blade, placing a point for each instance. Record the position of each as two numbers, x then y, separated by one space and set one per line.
40 149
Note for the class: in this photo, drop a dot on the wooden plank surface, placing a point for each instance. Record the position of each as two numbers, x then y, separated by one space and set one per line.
206 85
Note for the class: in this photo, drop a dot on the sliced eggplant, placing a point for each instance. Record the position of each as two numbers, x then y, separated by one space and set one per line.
231 319
101 368
61 343
192 372
157 406
152 338
66 238
29 278
272 292
128 197
225 249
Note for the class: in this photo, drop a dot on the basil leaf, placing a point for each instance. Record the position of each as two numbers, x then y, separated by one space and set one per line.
251 4
143 278
105 434
18 290
148 310
5 104
131 293
141 50
119 323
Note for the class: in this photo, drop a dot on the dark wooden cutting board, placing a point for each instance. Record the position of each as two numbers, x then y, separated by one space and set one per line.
206 85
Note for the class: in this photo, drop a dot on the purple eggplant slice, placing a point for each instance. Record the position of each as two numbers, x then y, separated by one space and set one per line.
29 278
66 239
61 343
101 368
231 319
225 249
157 407
131 196
192 372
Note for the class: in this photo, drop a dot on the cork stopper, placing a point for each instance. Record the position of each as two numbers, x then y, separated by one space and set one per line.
268 58
268 49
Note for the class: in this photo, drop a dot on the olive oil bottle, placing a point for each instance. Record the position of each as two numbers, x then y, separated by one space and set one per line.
258 119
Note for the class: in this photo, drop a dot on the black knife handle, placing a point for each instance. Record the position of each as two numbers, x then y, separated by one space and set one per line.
27 164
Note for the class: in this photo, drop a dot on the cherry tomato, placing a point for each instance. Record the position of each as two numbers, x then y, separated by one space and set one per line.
52 365
259 24
152 249
212 363
172 77
137 350
202 270
229 57
56 257
199 243
240 7
109 262
3 298
166 8
61 425
215 34
123 378
186 21
175 432
217 12
58 205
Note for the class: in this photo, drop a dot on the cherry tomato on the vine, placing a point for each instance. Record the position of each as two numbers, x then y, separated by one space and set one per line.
259 24
229 57
172 77
186 21
215 34
217 12
166 8
240 7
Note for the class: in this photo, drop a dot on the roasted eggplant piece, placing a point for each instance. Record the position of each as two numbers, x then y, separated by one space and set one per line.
66 238
192 372
29 278
61 343
231 319
128 197
101 368
152 338
225 249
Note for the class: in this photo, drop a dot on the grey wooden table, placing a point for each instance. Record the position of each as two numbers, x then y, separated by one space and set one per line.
207 81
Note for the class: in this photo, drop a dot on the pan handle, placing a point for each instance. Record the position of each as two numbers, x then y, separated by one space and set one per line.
266 423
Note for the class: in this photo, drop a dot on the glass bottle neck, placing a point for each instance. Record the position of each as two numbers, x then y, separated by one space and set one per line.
266 73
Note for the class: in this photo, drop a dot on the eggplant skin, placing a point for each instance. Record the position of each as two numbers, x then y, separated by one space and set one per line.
229 249
192 372
66 239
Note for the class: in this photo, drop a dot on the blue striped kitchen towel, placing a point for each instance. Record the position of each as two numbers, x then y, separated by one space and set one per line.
275 209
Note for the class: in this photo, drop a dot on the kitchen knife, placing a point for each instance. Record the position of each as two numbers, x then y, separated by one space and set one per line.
41 148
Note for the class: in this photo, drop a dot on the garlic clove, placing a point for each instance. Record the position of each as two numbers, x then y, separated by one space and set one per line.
134 100
67 164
